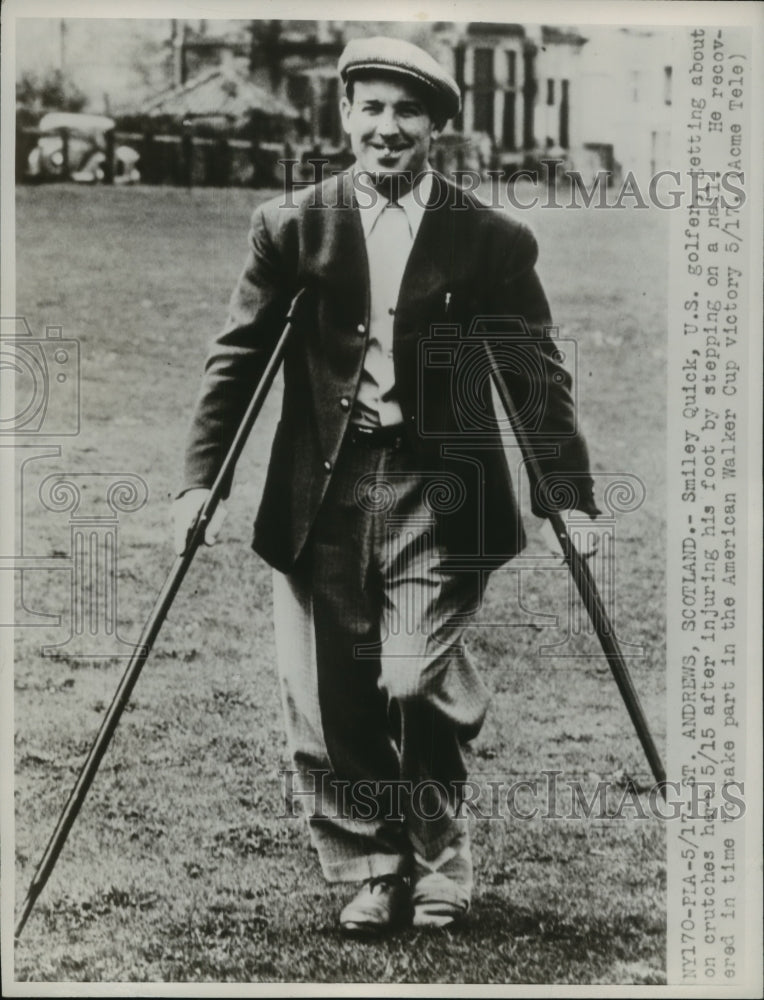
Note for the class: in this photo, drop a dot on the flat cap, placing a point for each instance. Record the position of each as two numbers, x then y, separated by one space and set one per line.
395 55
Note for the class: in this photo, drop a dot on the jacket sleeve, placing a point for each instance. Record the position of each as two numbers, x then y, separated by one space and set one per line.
540 386
238 355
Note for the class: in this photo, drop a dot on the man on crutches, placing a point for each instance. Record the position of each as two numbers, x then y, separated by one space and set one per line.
381 515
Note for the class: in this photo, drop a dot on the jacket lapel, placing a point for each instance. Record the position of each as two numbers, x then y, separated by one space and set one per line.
333 260
333 245
429 271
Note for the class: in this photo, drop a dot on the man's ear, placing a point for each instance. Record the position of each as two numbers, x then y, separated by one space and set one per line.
437 123
345 106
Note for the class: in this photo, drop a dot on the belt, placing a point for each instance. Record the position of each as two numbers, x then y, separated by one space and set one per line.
386 436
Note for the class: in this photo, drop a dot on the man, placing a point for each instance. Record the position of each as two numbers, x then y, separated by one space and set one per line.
388 498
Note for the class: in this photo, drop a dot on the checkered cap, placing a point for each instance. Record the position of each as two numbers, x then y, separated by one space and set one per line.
394 55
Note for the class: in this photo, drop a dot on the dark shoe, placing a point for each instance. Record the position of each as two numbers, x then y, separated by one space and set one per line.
443 887
439 901
383 902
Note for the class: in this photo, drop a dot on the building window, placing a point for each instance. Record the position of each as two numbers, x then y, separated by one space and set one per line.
483 90
483 68
565 114
329 126
459 53
508 124
667 85
511 70
550 92
298 91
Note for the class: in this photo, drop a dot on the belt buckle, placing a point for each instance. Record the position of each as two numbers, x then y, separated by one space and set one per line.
381 436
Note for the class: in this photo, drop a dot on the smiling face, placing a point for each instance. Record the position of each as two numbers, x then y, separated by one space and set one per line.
390 126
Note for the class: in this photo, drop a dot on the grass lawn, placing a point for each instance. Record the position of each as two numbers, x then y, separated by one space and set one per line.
180 867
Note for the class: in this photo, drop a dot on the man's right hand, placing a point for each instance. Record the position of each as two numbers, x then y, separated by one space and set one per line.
578 537
185 511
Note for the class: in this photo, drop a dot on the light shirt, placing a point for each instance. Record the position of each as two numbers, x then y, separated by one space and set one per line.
389 229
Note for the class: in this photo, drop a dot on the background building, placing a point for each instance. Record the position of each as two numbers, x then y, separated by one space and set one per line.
625 91
596 101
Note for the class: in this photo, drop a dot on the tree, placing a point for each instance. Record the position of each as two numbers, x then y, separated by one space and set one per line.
49 91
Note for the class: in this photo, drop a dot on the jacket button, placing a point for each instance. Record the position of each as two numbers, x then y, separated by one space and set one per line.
328 465
361 328
345 403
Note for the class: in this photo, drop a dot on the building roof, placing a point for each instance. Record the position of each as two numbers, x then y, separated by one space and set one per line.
551 35
491 30
218 92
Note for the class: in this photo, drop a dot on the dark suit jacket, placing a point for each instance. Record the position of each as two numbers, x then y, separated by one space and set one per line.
470 280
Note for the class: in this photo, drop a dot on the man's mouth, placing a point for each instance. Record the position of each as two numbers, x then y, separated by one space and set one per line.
385 150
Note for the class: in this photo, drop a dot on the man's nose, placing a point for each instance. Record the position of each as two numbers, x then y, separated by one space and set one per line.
388 123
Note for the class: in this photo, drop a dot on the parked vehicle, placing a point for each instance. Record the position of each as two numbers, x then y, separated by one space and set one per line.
75 146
